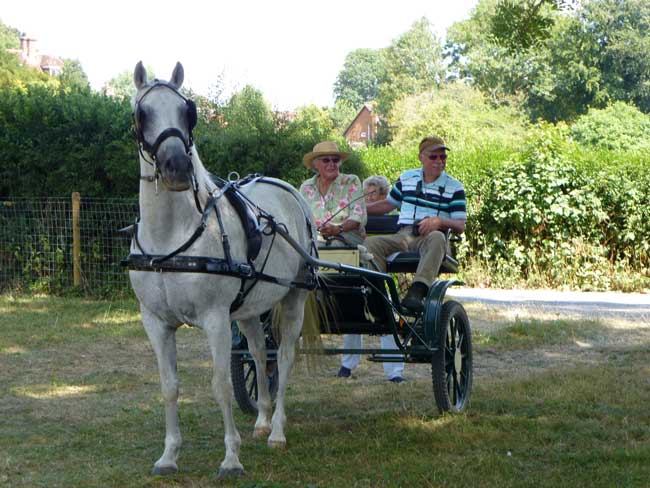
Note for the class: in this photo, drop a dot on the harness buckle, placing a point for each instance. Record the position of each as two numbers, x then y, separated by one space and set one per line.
245 270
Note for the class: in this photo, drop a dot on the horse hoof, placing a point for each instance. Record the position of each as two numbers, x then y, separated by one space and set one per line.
230 473
277 444
261 433
164 470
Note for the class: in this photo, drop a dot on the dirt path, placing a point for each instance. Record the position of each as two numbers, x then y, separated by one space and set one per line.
622 321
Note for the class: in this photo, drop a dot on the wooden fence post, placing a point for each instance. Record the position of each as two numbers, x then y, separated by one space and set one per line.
76 240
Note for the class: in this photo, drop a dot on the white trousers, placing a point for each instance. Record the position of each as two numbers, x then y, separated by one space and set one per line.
355 341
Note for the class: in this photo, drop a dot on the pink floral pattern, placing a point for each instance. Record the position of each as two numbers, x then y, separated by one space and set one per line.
343 190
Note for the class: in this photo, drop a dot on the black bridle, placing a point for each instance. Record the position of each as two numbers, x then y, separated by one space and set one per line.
152 149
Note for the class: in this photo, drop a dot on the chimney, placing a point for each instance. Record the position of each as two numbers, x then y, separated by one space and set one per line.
27 46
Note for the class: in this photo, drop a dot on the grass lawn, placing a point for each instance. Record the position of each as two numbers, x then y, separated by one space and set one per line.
556 402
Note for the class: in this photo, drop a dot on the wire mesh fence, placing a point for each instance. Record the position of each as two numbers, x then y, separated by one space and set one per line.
36 243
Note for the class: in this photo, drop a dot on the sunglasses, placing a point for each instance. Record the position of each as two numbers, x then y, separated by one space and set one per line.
433 157
329 160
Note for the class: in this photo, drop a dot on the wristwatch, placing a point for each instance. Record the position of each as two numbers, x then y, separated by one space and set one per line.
340 226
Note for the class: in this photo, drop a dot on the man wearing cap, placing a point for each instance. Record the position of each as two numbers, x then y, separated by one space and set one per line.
430 202
336 199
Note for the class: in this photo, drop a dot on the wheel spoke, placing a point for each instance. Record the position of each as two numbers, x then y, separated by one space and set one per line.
457 391
251 370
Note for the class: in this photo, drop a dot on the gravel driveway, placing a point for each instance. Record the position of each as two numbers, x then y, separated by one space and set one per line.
591 304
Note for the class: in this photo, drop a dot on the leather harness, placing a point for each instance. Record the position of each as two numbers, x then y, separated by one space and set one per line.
256 223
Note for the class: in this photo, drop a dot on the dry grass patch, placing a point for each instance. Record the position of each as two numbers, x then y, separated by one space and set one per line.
85 409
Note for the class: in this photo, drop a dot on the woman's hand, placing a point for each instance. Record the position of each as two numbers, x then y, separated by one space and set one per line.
331 230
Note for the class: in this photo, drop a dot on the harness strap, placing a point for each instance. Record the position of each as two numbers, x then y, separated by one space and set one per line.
172 262
201 264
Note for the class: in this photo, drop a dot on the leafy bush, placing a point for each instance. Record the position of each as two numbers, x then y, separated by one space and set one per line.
459 114
619 127
545 216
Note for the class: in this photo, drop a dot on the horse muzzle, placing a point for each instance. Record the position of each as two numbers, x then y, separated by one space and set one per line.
176 172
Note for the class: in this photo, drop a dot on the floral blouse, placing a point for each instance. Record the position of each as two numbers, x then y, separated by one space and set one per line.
343 190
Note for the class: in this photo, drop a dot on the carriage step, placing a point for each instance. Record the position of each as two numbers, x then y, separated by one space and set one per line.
386 358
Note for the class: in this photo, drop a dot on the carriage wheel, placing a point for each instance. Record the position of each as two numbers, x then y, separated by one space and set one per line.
244 373
244 381
451 364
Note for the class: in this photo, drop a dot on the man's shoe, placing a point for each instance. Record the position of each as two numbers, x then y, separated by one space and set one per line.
397 379
414 299
344 372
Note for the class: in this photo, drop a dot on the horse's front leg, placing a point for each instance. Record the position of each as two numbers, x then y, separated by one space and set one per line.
217 328
293 309
254 332
163 340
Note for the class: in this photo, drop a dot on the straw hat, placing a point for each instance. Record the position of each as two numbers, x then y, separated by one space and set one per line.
433 143
327 148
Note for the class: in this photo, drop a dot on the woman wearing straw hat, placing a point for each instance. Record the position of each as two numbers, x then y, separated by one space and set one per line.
336 199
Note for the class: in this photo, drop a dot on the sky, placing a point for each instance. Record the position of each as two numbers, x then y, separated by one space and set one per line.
290 50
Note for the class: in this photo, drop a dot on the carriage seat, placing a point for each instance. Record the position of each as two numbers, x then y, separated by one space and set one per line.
407 262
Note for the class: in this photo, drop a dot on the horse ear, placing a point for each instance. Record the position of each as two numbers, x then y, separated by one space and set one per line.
139 75
177 76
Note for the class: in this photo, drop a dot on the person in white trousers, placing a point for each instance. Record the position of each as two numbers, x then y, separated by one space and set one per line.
375 188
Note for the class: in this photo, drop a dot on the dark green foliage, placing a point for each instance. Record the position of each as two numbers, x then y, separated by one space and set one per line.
520 24
555 62
53 142
247 137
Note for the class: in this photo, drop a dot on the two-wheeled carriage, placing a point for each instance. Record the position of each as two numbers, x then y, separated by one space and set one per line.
361 301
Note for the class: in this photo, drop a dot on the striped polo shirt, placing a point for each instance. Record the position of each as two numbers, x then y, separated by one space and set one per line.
444 197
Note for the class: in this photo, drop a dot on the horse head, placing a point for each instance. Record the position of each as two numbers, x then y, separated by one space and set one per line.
164 119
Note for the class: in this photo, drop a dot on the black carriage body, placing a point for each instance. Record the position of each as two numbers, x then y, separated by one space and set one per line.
358 304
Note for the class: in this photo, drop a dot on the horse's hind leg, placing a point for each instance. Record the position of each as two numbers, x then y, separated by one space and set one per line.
254 333
293 310
163 340
219 337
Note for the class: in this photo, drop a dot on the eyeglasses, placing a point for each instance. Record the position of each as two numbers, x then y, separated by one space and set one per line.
433 157
329 160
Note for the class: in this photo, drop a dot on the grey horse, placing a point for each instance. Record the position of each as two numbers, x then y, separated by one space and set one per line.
174 186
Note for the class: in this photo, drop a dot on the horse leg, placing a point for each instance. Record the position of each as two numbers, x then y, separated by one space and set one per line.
254 333
163 340
293 310
219 337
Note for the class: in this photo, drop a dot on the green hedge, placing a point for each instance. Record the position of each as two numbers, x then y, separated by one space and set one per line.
555 208
553 214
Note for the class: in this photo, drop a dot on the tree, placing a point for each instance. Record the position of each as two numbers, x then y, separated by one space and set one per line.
460 114
342 114
620 30
16 76
519 24
358 81
249 112
9 37
560 63
73 76
122 86
413 63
